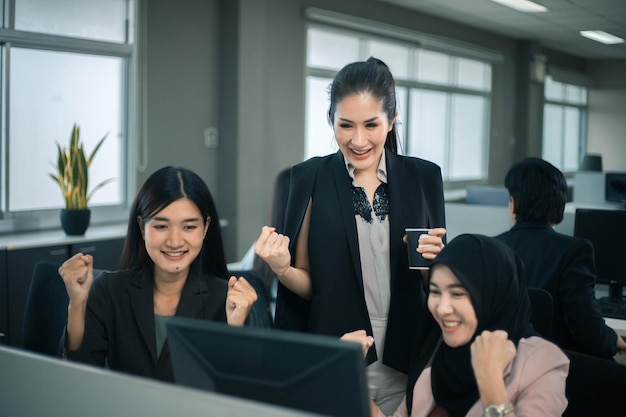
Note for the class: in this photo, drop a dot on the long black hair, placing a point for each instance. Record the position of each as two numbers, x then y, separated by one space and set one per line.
372 77
161 189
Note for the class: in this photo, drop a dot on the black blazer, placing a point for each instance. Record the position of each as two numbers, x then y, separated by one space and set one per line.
564 266
338 306
119 322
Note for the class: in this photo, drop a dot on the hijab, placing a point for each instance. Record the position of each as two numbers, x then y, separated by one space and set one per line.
493 275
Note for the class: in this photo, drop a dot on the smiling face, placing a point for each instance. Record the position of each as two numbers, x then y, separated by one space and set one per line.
361 126
451 306
173 238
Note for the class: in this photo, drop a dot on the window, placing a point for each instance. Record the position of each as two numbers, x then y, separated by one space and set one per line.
443 100
564 118
66 62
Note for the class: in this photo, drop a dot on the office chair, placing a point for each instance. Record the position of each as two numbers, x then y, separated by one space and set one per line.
541 311
594 387
45 313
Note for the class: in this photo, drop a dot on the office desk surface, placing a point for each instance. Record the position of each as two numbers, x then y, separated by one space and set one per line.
58 237
620 328
618 325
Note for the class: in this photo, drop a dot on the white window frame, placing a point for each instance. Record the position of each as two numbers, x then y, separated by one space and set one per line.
564 104
34 220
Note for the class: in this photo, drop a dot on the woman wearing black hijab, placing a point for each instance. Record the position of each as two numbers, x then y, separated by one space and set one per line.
481 356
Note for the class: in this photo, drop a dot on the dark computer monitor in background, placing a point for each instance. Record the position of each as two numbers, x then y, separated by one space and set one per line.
606 229
615 187
313 373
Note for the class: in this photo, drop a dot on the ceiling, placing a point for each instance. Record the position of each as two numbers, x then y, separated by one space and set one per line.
556 29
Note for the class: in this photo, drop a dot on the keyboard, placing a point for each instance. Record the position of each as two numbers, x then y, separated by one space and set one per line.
616 310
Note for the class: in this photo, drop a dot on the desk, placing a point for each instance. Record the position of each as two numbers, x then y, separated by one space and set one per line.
58 237
618 325
620 328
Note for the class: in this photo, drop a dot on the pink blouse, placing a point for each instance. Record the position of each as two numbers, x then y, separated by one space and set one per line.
534 380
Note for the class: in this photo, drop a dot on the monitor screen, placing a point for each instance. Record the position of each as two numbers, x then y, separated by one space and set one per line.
606 229
615 187
313 373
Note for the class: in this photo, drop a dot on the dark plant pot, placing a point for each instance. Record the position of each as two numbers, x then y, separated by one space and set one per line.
75 222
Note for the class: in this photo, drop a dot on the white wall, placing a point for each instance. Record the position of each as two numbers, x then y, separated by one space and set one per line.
607 127
607 110
181 79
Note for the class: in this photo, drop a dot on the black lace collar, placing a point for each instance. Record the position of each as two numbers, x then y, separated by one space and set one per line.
363 208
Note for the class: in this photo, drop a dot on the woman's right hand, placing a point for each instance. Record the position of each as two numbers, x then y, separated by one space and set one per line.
77 274
491 352
273 248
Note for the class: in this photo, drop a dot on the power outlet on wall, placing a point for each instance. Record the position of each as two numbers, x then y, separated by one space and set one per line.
211 139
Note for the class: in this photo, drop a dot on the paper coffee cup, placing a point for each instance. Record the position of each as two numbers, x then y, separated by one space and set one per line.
416 260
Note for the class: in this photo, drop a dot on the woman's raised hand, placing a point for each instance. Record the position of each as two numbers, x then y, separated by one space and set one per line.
239 300
491 353
359 336
273 248
77 274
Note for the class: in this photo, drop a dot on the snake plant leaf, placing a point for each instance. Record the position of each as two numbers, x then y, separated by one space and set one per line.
72 171
95 150
74 136
98 186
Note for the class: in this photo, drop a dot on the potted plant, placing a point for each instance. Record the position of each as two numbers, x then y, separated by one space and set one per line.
72 176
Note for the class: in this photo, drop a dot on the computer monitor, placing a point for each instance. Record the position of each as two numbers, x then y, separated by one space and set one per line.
34 385
615 187
606 229
314 373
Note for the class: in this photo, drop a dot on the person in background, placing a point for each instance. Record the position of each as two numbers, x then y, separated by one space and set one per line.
340 259
562 265
172 264
480 355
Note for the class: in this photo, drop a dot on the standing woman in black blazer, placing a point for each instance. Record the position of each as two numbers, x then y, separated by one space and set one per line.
341 261
172 264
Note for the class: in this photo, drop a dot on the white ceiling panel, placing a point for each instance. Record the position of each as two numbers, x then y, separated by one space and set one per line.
557 29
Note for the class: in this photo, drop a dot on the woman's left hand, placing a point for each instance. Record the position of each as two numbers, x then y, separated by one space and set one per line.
239 301
360 337
491 353
429 245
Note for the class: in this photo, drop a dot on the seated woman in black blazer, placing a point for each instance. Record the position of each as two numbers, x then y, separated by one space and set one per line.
172 264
